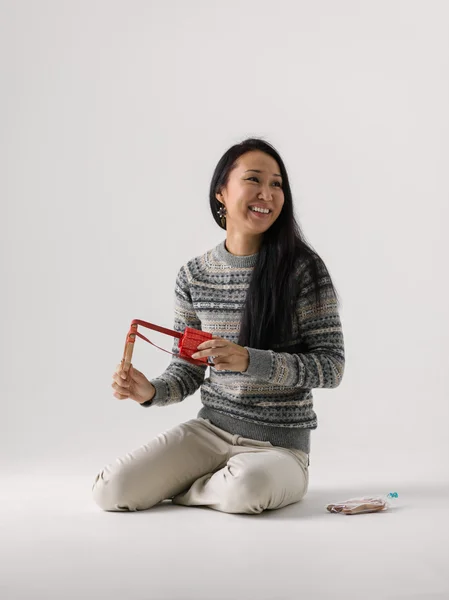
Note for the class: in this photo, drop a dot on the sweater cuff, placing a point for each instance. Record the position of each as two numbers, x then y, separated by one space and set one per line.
260 364
160 395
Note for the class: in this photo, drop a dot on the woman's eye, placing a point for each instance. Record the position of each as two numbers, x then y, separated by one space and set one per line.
253 177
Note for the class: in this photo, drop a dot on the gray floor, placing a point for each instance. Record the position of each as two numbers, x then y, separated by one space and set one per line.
56 543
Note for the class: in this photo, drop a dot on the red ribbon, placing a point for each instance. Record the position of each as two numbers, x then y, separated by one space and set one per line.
190 339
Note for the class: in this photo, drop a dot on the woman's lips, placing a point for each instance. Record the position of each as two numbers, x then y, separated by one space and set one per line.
259 215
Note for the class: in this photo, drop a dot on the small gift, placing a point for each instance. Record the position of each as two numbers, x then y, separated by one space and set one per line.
364 504
189 340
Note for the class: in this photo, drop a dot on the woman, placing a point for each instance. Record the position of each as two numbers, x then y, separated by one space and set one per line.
270 303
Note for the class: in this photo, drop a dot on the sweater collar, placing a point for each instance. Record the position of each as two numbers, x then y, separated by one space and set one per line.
232 259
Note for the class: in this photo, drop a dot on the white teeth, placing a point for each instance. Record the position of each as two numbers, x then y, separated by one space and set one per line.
262 210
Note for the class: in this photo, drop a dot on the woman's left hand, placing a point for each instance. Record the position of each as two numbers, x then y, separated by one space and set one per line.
227 355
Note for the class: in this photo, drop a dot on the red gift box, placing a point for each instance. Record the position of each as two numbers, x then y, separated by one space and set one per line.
189 342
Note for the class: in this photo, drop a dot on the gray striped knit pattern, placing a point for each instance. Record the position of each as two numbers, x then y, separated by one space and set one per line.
272 400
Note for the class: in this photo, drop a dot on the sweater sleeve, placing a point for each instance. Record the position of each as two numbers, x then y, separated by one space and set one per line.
181 378
322 364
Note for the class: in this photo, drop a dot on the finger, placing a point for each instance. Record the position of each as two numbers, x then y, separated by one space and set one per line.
117 378
119 389
120 396
215 343
119 369
221 360
202 353
222 365
215 351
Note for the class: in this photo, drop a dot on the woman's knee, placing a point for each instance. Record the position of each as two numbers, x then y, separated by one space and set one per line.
247 492
113 491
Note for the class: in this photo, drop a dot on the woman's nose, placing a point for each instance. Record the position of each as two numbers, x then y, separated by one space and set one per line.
266 194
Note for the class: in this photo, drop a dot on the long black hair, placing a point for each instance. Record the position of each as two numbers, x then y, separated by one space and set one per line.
267 318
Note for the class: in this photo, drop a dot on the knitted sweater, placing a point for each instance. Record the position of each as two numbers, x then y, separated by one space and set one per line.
272 400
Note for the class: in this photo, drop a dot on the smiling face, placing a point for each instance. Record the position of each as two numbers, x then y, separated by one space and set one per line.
255 182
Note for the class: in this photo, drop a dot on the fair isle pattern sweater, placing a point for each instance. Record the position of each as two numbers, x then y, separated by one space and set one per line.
272 400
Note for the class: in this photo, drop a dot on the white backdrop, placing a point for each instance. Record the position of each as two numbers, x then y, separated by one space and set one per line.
113 117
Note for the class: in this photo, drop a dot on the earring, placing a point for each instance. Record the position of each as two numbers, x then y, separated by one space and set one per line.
222 214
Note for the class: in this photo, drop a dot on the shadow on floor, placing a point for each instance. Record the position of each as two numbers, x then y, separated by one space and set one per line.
409 496
314 503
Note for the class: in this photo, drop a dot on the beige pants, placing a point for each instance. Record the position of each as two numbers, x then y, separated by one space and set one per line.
199 464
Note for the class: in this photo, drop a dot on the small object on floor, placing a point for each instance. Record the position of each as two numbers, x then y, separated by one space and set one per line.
365 504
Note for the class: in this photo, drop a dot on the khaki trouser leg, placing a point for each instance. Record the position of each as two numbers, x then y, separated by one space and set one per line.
257 476
199 464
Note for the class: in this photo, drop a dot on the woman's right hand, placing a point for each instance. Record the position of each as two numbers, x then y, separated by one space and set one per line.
134 385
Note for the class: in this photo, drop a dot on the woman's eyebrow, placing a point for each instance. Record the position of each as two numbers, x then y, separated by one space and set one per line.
257 171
